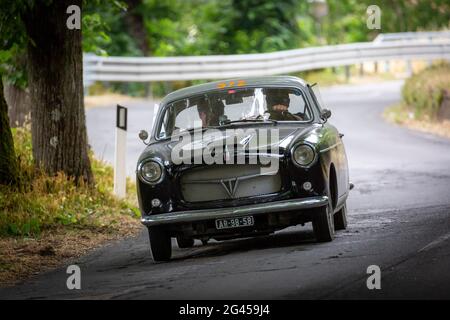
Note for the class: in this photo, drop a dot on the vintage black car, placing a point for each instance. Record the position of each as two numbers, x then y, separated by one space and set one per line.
241 158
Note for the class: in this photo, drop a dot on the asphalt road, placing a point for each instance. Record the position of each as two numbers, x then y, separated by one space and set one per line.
399 220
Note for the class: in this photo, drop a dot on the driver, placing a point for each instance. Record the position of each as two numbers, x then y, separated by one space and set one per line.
278 102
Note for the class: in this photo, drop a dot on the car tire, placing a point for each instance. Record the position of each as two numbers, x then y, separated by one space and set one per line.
185 242
323 223
340 218
160 244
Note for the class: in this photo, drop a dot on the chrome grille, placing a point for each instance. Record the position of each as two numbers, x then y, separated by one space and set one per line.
219 182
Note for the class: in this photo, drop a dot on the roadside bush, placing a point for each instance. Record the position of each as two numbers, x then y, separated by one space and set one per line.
424 91
42 202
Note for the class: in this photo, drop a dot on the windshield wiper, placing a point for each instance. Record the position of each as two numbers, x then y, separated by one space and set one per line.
250 120
226 124
198 128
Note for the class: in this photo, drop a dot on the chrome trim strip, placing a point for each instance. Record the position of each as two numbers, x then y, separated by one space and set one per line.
260 154
330 147
254 209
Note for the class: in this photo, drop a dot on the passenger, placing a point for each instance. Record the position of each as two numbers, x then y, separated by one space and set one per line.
204 111
209 111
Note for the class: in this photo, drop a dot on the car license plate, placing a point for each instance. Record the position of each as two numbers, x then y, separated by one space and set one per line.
235 222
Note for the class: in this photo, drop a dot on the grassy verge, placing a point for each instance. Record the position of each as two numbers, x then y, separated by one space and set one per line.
403 115
423 107
48 220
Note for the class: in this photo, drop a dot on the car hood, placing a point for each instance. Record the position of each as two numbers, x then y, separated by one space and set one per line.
248 138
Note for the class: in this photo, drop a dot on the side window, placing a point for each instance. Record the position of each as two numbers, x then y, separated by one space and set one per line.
163 129
167 125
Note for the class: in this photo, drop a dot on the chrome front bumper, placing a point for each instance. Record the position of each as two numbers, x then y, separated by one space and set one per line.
231 212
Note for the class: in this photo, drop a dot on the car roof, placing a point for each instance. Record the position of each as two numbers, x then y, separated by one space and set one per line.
275 81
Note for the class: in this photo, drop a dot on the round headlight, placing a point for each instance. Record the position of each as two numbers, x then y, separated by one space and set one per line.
151 171
303 155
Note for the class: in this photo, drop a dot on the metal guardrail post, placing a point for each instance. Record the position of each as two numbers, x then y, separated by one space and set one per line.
409 69
347 73
387 66
149 91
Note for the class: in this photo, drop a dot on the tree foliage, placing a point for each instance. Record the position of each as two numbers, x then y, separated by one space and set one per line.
201 27
248 26
208 27
13 41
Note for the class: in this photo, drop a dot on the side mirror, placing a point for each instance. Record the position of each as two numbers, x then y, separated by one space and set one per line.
325 114
143 135
223 119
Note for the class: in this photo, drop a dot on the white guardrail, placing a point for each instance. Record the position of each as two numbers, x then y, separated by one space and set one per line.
407 46
408 36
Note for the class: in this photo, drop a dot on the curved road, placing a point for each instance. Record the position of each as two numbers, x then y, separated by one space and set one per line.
399 219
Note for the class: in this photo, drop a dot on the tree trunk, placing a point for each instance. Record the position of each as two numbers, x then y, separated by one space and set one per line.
19 108
8 160
55 77
136 26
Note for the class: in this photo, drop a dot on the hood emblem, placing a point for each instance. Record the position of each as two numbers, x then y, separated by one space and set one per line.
244 141
230 186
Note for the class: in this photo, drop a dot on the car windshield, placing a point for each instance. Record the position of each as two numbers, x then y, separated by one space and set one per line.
220 108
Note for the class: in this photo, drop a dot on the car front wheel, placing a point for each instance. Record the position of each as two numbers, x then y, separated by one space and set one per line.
340 219
323 223
160 244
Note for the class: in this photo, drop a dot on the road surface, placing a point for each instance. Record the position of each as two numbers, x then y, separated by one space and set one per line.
399 220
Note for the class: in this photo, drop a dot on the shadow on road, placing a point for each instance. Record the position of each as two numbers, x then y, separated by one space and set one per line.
294 238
